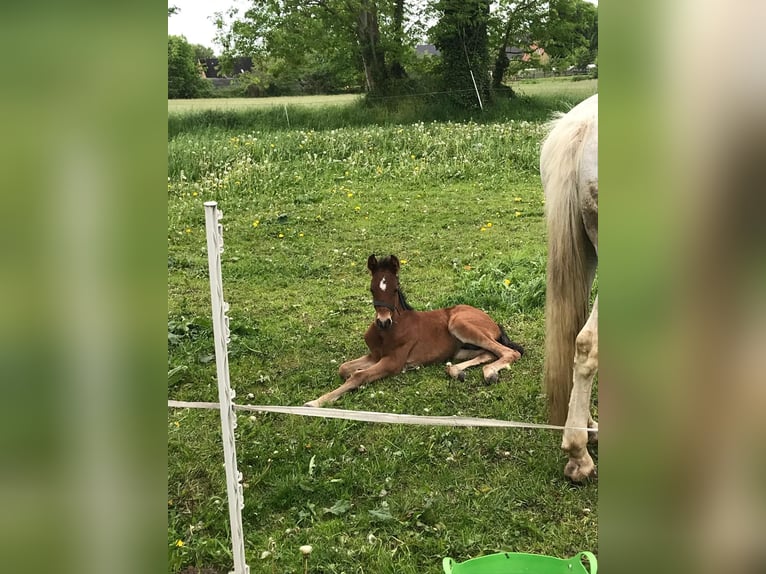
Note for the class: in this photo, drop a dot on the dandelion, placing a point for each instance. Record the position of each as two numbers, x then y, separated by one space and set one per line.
179 543
300 235
483 229
306 551
357 208
489 224
281 235
349 194
177 424
256 223
517 214
194 194
516 199
188 230
506 282
402 261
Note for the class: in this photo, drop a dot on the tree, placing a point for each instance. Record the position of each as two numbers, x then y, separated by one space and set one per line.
352 41
511 25
461 37
202 52
184 72
566 27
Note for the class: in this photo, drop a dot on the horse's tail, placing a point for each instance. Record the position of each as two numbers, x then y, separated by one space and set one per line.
567 284
504 340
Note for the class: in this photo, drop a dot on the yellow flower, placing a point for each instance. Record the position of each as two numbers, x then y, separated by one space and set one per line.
194 194
402 261
350 194
483 229
357 208
281 235
188 230
179 543
300 235
489 224
516 199
412 156
517 214
177 424
256 223
506 282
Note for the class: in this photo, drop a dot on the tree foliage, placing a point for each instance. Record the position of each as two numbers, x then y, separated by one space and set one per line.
184 72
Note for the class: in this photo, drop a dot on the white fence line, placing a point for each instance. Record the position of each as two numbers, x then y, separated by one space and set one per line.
377 417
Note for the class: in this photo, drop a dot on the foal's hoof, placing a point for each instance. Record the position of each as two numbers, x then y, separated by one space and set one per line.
491 378
311 404
454 372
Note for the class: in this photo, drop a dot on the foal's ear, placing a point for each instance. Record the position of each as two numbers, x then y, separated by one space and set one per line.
394 264
372 263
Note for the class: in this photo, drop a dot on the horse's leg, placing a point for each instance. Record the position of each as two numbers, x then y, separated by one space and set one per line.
580 465
458 371
349 367
386 366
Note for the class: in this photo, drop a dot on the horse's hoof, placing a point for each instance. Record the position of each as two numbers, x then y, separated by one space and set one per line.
580 470
311 404
461 376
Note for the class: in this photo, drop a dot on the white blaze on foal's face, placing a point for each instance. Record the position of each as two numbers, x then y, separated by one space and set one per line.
382 284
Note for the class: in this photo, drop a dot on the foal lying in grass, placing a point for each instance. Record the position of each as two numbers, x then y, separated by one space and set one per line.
401 337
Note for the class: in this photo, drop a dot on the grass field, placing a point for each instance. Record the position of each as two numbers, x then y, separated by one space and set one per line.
461 204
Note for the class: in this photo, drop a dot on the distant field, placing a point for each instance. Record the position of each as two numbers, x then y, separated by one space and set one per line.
556 86
244 103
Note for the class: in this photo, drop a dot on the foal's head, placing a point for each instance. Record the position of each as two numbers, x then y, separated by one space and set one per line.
385 289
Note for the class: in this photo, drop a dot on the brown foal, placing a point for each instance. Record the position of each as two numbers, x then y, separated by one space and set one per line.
401 337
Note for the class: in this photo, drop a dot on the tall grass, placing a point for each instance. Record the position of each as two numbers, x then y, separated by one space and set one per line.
279 114
460 203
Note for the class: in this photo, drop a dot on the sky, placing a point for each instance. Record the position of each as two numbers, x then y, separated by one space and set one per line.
195 19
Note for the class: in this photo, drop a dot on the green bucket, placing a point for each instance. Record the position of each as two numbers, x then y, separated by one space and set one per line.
518 563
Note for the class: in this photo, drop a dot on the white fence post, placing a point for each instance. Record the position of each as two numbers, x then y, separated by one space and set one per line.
214 232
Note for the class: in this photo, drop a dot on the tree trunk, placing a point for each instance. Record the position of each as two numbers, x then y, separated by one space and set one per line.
373 56
501 62
461 37
397 70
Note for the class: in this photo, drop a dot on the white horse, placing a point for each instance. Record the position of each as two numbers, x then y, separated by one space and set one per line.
569 170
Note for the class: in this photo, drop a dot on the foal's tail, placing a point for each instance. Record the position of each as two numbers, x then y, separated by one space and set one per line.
567 285
504 340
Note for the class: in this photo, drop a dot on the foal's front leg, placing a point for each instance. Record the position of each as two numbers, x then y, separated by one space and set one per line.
350 367
383 368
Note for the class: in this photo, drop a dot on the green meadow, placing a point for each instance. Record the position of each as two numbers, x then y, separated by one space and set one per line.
308 191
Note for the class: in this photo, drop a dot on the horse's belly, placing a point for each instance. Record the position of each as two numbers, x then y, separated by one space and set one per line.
433 351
